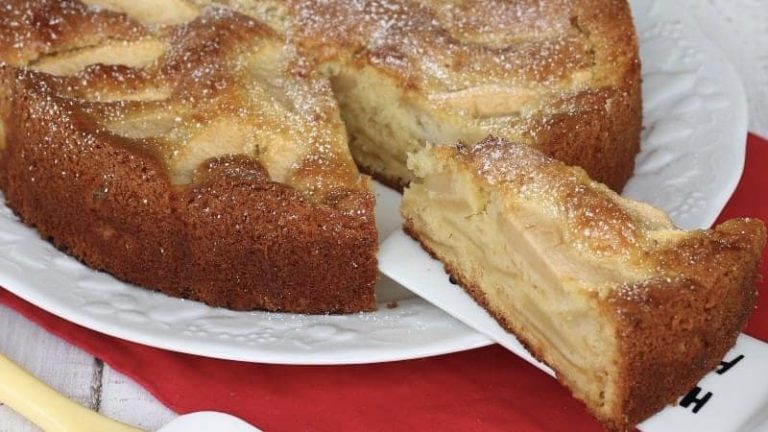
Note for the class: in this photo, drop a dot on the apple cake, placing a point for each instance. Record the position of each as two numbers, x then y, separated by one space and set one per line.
211 151
629 311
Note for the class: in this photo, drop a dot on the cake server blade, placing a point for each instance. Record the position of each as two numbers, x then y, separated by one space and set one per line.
732 398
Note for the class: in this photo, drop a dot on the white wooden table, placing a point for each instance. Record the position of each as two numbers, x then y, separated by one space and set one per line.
739 27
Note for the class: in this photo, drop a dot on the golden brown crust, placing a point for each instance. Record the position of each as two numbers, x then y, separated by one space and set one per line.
676 327
233 239
604 142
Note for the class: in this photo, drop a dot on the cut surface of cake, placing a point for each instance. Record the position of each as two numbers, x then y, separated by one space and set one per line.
628 310
210 150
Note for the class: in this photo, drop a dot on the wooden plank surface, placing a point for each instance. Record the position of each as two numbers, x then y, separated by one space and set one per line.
739 27
75 374
62 366
124 400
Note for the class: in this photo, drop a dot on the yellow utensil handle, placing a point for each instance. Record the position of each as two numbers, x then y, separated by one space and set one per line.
46 408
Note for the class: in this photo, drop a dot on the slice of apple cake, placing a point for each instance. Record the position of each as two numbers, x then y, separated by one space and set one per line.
628 310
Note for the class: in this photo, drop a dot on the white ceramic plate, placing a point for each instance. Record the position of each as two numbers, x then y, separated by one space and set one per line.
691 159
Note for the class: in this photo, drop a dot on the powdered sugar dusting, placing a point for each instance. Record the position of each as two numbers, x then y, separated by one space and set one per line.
500 161
595 218
222 70
221 74
444 46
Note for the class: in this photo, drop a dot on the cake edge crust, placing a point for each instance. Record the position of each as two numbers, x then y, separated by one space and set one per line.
235 239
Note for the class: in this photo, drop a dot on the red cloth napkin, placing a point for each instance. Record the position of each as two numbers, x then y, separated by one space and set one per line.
484 389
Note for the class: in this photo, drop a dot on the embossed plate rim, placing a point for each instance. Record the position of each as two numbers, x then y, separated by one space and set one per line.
424 330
